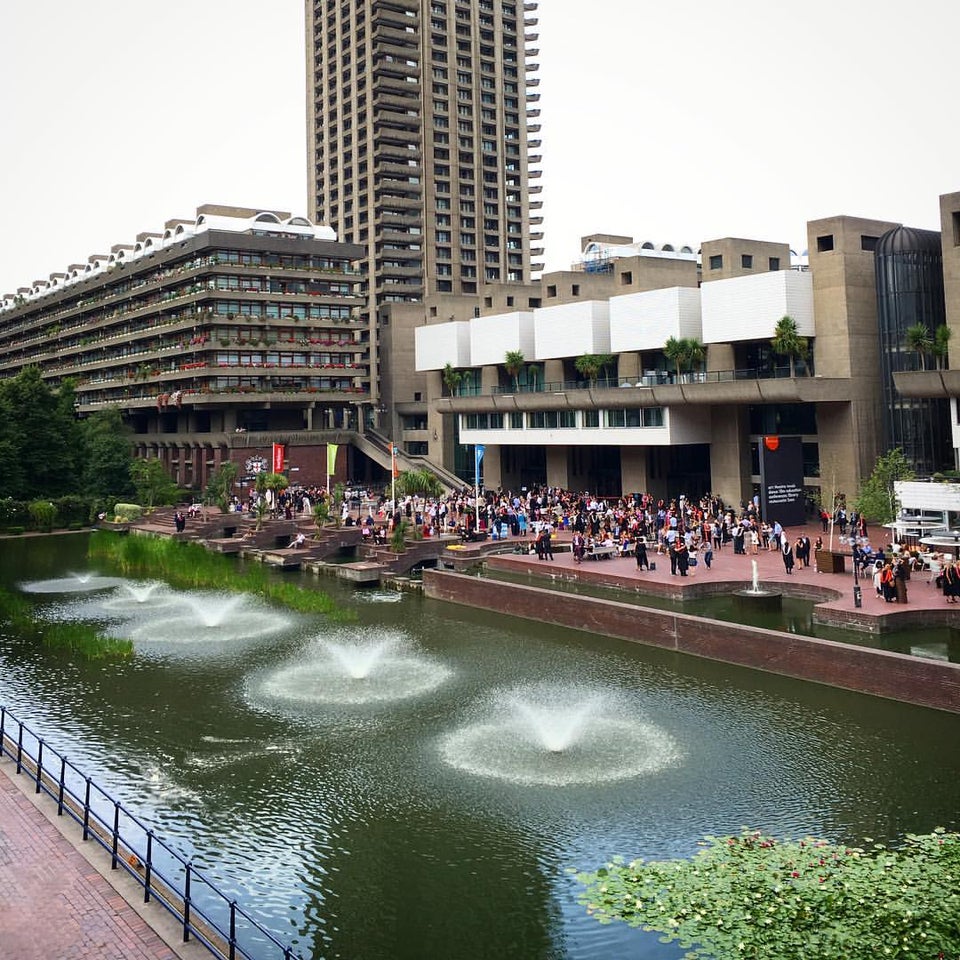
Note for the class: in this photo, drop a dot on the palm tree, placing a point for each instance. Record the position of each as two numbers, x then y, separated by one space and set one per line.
513 363
589 365
451 378
787 342
941 345
917 339
684 353
423 482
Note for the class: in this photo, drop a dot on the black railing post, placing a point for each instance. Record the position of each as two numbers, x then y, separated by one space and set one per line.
148 868
62 785
3 732
186 905
86 810
39 764
233 929
116 834
19 749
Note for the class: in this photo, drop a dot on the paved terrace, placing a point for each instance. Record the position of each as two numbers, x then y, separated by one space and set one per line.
55 900
925 603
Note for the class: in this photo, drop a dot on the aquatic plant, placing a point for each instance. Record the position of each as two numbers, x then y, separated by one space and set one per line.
81 639
190 566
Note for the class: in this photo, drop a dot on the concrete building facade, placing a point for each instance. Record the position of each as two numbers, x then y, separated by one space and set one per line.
422 149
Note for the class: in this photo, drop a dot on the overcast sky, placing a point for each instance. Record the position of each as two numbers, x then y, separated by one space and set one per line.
664 121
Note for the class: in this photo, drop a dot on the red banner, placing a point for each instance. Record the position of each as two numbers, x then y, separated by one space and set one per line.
278 458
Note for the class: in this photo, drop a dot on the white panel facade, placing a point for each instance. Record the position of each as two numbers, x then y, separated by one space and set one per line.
915 496
443 343
645 321
493 337
572 329
680 426
748 308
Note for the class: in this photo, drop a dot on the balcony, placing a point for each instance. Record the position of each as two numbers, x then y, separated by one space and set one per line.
927 384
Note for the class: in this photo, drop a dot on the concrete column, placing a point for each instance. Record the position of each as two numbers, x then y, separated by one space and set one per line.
553 371
492 469
720 357
489 379
634 475
730 453
628 366
558 473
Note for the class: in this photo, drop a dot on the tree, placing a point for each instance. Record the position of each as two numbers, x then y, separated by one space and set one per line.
589 365
418 482
878 498
108 455
513 362
152 483
683 353
941 345
754 896
220 484
40 436
451 379
787 342
918 340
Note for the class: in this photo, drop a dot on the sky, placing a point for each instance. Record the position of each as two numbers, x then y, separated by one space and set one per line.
663 121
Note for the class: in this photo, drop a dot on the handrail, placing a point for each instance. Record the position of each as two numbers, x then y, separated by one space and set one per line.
659 378
203 910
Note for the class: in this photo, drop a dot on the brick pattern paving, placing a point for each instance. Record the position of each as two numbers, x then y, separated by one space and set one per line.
53 904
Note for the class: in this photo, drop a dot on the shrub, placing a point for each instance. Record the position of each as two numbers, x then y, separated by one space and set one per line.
125 512
43 514
756 896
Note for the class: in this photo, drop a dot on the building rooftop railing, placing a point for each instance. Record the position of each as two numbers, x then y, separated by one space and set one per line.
657 378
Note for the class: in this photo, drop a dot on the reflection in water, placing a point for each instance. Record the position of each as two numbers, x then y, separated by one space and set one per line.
346 829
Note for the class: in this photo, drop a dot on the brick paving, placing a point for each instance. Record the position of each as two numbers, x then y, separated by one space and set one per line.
732 569
53 904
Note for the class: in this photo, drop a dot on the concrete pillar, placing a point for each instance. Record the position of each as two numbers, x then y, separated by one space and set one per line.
634 476
730 454
492 468
558 474
489 379
628 366
720 357
553 371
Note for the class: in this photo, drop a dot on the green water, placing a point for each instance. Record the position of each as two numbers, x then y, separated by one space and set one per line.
348 830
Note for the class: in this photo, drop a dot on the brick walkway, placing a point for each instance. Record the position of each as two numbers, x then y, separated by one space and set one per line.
53 904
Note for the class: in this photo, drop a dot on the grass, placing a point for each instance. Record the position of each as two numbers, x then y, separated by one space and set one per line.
191 566
80 639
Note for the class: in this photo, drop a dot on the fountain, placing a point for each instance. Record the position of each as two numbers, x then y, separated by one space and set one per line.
133 598
355 668
209 618
75 583
757 596
559 735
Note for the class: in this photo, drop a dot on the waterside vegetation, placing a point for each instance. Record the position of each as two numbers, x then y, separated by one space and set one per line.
79 639
191 566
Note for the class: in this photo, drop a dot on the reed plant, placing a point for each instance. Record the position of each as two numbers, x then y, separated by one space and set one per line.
191 566
80 639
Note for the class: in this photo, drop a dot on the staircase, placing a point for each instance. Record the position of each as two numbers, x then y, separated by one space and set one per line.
377 448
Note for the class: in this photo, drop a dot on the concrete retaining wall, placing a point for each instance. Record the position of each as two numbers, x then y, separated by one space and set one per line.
929 683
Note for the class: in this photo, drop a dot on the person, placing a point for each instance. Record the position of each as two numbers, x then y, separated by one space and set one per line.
901 571
547 546
887 586
707 554
297 541
578 546
951 582
643 562
787 551
683 558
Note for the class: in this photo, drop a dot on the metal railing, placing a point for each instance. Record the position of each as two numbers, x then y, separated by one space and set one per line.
204 912
657 378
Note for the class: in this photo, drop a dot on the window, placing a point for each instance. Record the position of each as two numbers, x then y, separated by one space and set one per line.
575 289
626 278
774 263
716 262
955 219
551 291
746 261
516 421
590 418
868 243
825 243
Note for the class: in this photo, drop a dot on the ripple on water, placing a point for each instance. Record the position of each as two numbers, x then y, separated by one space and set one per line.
559 735
355 667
